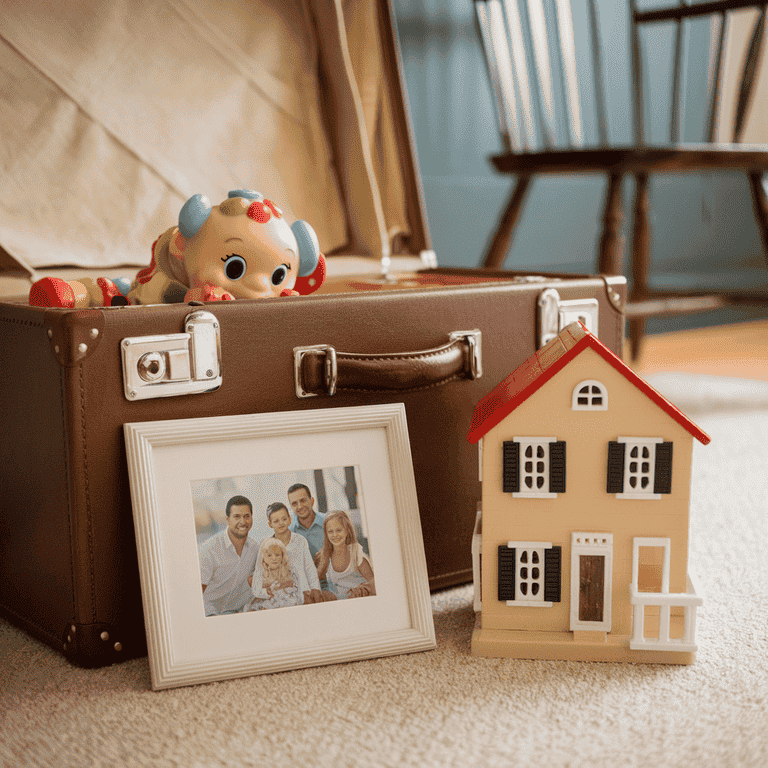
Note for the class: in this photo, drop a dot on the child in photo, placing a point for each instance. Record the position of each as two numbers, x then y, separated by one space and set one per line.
299 557
278 585
342 560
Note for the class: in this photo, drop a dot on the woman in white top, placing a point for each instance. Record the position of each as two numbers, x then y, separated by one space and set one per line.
342 560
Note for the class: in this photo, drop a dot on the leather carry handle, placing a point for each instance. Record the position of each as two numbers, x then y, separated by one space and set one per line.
322 370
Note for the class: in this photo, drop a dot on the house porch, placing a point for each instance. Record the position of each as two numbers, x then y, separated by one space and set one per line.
582 646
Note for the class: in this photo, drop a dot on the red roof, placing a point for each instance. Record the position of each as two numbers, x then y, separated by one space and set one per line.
543 364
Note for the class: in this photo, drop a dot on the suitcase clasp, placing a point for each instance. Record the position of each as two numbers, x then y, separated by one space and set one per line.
174 364
330 369
555 314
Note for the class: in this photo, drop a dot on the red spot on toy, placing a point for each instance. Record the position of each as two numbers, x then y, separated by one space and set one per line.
259 212
311 283
272 207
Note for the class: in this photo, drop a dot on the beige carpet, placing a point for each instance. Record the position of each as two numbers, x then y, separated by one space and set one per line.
445 707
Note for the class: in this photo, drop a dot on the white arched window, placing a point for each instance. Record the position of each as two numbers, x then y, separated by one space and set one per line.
589 395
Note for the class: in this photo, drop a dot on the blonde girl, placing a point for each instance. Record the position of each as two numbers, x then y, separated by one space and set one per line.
342 561
275 585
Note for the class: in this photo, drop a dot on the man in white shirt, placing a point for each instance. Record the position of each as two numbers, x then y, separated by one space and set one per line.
227 559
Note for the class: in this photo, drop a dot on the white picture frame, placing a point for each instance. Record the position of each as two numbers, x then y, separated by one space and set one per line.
187 647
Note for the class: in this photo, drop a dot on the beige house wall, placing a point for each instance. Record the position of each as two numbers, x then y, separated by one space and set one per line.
585 506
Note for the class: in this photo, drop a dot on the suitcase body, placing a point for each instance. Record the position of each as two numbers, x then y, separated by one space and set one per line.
436 340
68 564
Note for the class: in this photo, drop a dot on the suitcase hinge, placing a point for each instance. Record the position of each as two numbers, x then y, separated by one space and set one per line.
174 364
555 314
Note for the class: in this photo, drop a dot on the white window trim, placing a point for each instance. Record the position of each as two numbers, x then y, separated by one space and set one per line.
534 442
647 541
591 544
639 441
575 406
526 601
477 551
480 459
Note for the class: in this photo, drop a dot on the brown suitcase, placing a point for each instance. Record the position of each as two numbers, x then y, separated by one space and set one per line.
436 340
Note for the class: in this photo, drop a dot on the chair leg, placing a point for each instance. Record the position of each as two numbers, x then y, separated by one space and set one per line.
760 206
502 239
640 262
611 242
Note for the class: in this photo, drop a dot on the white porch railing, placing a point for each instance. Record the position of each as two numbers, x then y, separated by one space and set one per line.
665 601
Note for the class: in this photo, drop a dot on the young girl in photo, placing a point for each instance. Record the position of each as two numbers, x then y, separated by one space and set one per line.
342 560
275 584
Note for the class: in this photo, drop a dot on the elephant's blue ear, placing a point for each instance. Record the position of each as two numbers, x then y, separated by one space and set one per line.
193 214
309 247
248 194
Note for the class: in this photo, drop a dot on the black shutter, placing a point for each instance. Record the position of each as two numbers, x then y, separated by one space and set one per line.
662 475
557 467
552 567
506 573
616 467
511 469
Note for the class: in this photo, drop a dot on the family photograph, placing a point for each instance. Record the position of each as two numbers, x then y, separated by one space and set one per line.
281 540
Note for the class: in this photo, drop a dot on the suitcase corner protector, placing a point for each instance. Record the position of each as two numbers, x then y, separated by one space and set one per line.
98 645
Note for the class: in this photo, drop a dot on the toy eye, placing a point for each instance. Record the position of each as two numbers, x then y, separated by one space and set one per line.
279 275
234 266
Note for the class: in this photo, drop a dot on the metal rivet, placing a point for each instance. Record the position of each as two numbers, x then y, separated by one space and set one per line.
126 342
132 393
56 349
215 325
82 348
118 646
209 373
94 332
105 636
65 646
69 638
74 629
50 333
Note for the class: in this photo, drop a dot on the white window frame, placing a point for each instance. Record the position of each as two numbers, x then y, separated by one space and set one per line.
529 600
591 544
477 558
533 492
663 543
576 406
641 443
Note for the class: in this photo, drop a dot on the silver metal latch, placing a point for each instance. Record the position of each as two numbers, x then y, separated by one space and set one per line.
555 314
174 364
330 368
473 340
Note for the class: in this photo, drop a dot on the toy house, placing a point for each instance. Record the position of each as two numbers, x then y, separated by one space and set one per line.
581 545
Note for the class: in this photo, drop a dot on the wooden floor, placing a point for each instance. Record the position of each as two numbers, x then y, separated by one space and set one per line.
739 350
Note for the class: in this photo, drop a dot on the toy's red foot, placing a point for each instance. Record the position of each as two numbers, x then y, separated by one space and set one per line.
311 283
208 292
51 292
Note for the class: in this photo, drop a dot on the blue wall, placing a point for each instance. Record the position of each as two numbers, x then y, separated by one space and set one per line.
703 227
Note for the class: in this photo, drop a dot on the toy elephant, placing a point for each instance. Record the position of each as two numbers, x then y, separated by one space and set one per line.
240 249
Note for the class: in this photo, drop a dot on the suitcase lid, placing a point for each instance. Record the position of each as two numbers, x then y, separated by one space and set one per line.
114 114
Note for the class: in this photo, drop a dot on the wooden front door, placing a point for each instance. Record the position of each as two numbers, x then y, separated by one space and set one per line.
591 587
591 581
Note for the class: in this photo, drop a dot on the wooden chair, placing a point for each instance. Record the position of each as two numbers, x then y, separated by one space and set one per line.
523 64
